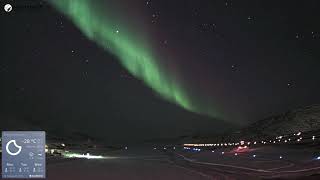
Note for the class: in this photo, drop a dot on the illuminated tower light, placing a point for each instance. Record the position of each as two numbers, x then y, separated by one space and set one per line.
254 155
313 137
280 157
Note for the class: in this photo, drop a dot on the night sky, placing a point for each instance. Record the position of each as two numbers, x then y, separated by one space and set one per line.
128 70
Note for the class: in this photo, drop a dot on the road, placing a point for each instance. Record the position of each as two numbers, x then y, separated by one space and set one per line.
147 163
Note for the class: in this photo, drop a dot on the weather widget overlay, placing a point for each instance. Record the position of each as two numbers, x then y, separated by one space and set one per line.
23 154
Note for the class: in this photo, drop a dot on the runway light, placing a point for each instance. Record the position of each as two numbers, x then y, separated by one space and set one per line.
298 133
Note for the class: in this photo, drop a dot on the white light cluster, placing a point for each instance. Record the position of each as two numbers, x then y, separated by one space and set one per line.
278 139
86 156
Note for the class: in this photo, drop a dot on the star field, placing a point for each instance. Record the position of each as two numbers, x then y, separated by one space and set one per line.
245 59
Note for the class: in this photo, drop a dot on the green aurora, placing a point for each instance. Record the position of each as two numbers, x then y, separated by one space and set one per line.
131 49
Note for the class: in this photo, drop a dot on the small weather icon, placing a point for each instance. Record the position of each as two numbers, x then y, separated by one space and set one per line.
7 7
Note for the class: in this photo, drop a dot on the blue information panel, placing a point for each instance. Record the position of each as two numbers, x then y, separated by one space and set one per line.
23 154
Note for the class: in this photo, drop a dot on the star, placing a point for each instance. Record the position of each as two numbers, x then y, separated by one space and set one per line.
148 2
165 42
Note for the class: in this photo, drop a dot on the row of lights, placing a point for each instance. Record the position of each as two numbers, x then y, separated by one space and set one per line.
277 139
236 154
